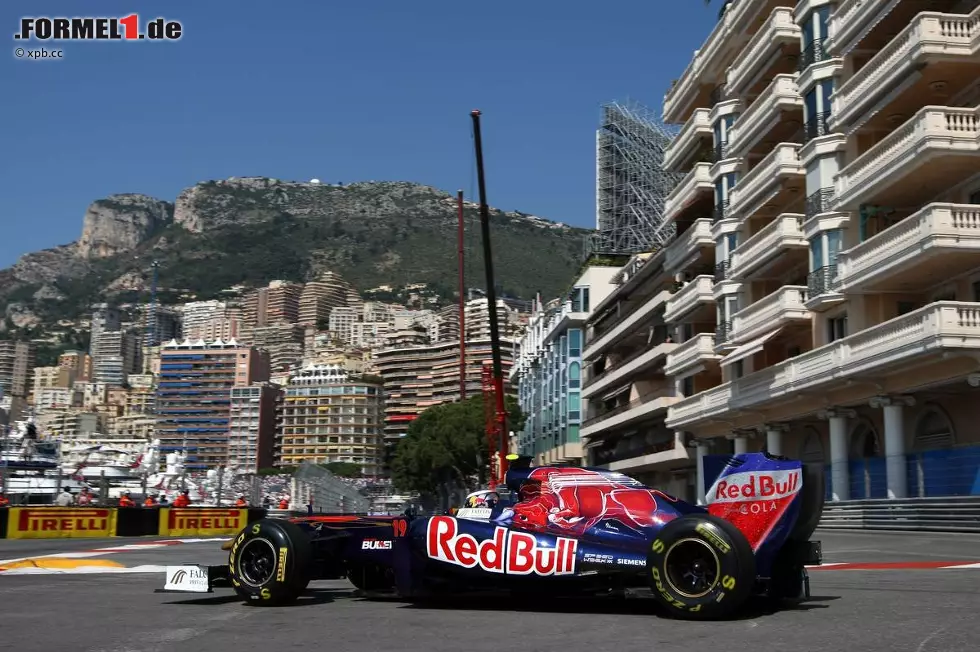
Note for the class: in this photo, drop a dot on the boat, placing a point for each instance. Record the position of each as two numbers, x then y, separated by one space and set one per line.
30 471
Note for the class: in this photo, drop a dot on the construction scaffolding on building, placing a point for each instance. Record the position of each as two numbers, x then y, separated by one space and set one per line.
631 184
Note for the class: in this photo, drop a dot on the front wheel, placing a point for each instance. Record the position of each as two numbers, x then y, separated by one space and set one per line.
701 567
269 562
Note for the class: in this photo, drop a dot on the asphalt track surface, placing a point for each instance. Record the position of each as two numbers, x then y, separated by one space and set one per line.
910 605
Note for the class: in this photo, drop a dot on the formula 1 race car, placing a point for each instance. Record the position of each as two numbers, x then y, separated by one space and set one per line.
557 530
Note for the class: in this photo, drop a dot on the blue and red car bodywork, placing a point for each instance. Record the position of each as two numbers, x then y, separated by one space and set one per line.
573 530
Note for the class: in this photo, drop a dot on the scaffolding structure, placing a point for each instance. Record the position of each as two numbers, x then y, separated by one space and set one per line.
631 184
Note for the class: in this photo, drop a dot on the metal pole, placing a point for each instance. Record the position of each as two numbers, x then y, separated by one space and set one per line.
498 374
462 301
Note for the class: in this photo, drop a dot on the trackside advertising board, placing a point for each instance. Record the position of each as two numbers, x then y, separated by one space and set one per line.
201 521
60 522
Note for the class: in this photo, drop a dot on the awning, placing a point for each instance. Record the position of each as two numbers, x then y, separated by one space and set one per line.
748 349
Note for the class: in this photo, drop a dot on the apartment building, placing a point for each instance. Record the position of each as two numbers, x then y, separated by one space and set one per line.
321 296
330 415
625 385
252 427
277 303
193 397
419 374
115 355
79 362
548 370
828 219
211 320
16 372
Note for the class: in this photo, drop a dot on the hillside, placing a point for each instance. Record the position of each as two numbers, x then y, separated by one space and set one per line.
247 231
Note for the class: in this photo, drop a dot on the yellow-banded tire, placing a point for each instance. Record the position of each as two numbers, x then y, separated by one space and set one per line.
269 562
701 567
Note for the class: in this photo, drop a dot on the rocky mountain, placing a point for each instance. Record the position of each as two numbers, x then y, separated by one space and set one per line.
247 231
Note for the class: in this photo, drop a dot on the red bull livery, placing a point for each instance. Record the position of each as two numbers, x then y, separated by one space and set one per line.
557 530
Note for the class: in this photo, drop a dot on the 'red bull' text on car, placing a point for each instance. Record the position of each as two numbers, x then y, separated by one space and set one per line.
558 530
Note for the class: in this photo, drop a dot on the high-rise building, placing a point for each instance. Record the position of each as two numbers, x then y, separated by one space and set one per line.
321 296
330 415
193 396
830 229
16 368
418 375
278 303
252 427
104 318
115 355
548 370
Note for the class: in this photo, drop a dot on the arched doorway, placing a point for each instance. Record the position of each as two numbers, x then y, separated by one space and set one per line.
867 466
933 469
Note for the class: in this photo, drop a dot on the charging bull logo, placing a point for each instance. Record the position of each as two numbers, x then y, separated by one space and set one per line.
574 500
754 501
508 552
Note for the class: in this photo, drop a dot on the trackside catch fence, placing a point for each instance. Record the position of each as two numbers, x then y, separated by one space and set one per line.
947 514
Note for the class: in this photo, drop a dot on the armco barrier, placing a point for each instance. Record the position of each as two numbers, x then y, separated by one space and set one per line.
90 522
952 514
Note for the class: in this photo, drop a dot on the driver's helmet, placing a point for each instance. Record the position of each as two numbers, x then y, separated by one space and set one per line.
485 498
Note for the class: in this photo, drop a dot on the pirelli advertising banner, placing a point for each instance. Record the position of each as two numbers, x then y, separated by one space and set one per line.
191 521
61 522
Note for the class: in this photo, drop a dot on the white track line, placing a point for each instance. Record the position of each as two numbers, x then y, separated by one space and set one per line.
98 552
85 570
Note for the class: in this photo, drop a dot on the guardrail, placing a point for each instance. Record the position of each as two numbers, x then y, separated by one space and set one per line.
942 514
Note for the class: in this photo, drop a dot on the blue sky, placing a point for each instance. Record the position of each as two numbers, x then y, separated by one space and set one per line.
340 91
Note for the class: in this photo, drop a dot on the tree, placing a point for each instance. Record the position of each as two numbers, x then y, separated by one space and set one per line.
447 445
343 469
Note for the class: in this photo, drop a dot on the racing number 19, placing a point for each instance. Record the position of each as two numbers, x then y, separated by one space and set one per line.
400 527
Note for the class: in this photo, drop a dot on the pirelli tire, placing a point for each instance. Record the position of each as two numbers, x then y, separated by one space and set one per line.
269 563
701 567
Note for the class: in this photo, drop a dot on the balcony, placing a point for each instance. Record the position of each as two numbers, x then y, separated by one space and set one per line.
936 52
938 148
635 364
689 246
784 307
693 138
880 352
627 324
941 241
638 409
770 182
723 336
707 68
869 26
696 294
775 115
820 201
763 253
636 456
697 351
686 193
778 34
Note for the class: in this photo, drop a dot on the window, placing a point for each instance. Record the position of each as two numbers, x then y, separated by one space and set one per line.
580 299
976 291
731 306
574 375
574 343
687 386
731 240
974 197
836 328
574 406
810 102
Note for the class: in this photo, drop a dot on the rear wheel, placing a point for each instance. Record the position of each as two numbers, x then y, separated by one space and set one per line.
269 562
701 567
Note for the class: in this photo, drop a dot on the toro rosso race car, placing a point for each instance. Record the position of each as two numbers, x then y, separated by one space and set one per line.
558 530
